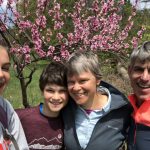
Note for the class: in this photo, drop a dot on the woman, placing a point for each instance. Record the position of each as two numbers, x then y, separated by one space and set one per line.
98 116
11 133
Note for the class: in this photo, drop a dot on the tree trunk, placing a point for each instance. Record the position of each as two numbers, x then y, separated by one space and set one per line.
24 91
122 71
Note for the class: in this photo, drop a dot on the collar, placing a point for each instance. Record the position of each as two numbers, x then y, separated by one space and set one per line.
106 91
142 114
106 107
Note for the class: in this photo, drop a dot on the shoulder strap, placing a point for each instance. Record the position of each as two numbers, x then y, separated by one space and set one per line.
3 117
10 137
7 135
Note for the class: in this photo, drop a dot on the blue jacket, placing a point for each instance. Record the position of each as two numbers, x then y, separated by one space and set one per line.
110 131
139 137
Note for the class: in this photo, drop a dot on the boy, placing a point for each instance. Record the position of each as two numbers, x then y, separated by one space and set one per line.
42 124
9 121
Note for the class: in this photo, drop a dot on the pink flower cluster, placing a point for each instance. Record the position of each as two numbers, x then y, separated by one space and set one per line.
24 24
95 26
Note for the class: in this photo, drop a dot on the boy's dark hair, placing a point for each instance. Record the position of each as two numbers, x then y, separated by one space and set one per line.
54 73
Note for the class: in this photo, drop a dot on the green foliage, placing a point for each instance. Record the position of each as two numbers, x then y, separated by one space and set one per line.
13 90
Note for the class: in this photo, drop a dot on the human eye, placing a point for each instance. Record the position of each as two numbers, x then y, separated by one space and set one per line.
49 90
69 82
138 69
63 90
83 81
6 68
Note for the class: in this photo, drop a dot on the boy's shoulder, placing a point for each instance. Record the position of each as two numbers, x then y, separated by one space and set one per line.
26 111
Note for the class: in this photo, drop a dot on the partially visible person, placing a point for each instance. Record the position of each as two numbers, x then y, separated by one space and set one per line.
11 132
98 116
43 124
139 73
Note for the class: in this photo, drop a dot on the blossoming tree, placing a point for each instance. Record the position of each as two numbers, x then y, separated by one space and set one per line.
55 29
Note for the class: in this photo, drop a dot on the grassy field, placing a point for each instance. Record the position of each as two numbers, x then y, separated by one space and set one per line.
13 91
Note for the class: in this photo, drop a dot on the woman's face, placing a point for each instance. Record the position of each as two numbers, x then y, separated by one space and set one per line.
82 88
4 69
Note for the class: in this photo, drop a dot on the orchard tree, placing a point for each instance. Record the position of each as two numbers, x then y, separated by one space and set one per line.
52 29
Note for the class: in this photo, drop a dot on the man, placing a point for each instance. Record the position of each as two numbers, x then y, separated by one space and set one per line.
139 73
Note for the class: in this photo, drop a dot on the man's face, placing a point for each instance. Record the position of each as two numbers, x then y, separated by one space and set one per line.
55 98
4 69
140 80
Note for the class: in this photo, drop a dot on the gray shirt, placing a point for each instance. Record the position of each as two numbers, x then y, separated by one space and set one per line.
14 128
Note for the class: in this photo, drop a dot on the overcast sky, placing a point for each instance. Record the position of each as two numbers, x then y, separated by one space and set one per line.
141 5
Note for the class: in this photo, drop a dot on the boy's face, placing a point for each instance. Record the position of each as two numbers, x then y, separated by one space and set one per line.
4 69
55 98
140 80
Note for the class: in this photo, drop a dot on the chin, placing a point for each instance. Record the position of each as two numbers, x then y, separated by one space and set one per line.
144 98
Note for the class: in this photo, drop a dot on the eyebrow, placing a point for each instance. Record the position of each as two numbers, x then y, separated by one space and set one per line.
7 63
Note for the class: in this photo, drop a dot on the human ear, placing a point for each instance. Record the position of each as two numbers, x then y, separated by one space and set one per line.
98 82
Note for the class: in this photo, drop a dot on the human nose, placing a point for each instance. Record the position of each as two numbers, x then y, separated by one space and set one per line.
1 73
146 75
76 87
56 96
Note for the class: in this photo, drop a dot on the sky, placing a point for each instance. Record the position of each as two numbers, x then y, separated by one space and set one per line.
141 5
2 10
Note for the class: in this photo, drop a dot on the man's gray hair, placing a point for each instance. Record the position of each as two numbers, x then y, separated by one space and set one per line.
141 54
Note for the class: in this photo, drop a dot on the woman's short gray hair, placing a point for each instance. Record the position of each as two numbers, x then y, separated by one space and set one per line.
81 61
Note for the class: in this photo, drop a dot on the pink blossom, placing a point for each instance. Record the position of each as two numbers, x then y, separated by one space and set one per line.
65 54
1 2
58 25
59 36
95 26
28 58
24 24
51 50
41 21
56 58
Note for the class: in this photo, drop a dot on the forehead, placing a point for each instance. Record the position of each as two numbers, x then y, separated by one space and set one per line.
83 74
55 86
4 58
142 63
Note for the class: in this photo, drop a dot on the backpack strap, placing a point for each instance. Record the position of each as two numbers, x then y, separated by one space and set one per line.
10 137
3 117
7 135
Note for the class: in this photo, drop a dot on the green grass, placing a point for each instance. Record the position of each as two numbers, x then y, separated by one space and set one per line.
13 90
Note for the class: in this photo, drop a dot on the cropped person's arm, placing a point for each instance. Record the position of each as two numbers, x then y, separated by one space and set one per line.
15 129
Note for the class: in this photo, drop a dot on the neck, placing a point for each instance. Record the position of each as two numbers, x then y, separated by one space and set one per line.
49 113
98 102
